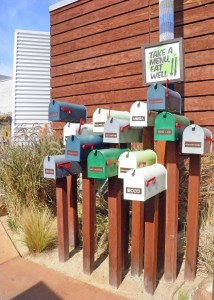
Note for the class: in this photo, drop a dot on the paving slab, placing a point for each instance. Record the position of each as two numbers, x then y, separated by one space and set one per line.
24 280
7 249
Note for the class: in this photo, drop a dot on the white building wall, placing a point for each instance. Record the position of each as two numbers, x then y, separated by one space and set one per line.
6 87
31 89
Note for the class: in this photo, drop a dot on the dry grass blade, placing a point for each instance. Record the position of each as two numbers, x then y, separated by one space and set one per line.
39 229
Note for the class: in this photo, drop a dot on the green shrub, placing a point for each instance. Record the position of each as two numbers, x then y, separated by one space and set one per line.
39 229
21 170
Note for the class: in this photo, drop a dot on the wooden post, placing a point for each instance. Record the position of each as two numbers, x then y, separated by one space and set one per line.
72 210
115 230
193 217
125 224
138 216
161 155
172 193
151 240
62 219
88 221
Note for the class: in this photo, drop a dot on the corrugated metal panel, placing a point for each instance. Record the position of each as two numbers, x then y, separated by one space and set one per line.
31 90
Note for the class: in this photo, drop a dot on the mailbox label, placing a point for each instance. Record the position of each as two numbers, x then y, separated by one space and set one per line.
124 170
192 144
49 171
99 124
96 169
53 114
131 190
73 153
164 131
156 101
138 118
111 135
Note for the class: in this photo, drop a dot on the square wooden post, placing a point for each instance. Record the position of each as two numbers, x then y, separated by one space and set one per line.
115 230
193 217
72 210
62 219
151 241
88 221
138 216
172 194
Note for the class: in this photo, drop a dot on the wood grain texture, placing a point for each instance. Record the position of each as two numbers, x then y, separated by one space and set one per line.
193 217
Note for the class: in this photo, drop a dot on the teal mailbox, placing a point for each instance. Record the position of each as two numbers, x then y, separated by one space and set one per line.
79 146
66 112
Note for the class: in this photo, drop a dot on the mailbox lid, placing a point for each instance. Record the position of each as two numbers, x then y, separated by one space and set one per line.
76 129
135 159
144 183
79 146
57 166
169 127
140 116
196 140
100 116
97 162
66 112
119 131
160 98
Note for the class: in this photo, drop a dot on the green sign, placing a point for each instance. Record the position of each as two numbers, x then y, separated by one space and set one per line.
163 61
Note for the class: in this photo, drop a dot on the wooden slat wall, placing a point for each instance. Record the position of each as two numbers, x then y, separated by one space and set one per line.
96 57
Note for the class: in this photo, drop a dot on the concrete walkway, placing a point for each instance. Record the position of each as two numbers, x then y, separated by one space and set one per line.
24 280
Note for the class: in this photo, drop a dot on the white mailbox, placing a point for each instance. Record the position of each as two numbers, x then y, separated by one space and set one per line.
140 116
196 140
144 183
77 129
135 159
119 131
100 116
57 166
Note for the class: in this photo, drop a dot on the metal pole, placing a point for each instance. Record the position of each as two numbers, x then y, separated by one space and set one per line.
166 19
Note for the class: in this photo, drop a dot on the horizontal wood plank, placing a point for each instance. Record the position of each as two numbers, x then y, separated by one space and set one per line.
72 11
191 59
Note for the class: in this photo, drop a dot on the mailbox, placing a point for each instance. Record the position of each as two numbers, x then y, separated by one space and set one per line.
66 112
103 163
160 98
57 166
100 116
196 140
77 129
135 159
79 146
120 131
140 116
144 183
169 127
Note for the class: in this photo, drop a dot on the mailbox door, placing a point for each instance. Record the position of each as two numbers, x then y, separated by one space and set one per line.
156 97
140 116
96 165
112 130
196 140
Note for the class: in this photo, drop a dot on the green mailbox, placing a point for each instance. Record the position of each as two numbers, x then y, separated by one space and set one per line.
103 163
170 127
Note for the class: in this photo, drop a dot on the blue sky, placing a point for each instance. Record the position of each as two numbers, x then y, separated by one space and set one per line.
20 14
